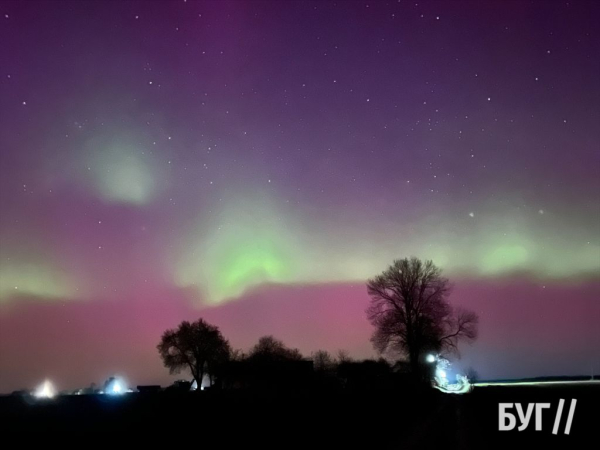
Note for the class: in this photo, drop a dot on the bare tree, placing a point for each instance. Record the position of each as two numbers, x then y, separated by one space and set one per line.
411 314
322 361
343 356
197 346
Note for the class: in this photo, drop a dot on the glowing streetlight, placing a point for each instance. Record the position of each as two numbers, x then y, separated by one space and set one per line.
46 390
430 358
116 388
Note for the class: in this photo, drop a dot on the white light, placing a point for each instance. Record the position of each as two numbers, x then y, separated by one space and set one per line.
46 390
430 358
116 387
440 381
462 386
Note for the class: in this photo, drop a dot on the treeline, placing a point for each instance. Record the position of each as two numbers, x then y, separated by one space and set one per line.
200 348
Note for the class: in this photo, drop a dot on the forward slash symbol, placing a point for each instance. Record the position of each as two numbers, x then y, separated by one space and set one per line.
558 414
571 414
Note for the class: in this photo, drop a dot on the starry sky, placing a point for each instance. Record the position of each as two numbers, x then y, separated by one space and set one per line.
254 162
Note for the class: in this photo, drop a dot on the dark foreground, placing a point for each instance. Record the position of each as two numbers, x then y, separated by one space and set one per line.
409 418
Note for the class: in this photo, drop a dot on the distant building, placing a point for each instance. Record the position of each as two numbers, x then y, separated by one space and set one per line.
180 386
149 389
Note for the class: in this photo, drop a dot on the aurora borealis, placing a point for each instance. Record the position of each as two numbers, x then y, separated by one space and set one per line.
255 162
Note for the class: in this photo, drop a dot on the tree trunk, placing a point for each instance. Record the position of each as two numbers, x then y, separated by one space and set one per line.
414 364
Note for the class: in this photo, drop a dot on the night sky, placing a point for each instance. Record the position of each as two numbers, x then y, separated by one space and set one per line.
254 163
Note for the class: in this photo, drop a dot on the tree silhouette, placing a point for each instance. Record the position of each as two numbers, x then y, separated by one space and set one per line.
322 361
411 314
269 349
343 356
197 346
472 375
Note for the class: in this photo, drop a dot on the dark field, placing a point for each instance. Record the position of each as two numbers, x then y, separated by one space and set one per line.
377 418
